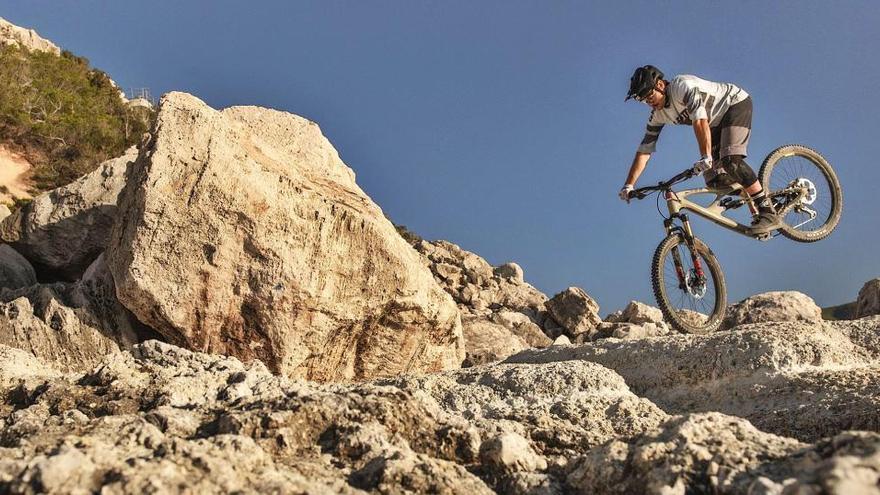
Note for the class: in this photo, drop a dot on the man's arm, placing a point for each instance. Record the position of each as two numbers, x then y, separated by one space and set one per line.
704 137
638 166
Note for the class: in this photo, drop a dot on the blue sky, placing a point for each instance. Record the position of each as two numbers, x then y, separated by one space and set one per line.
501 126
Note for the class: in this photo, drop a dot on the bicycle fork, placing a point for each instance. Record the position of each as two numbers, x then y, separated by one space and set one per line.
688 235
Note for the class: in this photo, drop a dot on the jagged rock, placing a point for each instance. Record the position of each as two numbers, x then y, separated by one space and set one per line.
629 331
486 342
510 271
845 463
702 453
510 452
523 327
772 306
765 373
636 312
636 321
713 453
53 332
241 232
15 271
71 326
868 302
561 408
476 287
562 340
577 312
162 418
62 231
17 365
10 34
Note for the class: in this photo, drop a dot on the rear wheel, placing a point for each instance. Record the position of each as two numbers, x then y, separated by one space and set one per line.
688 285
805 191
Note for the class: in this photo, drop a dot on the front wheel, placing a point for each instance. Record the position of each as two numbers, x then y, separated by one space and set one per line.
805 191
688 285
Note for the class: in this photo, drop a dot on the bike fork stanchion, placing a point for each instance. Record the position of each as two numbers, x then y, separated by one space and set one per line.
679 269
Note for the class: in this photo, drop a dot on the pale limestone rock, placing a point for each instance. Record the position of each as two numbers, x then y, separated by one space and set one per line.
4 212
15 271
71 326
43 321
562 340
163 419
630 331
10 34
510 452
868 302
577 312
522 326
486 342
241 232
62 231
53 332
475 285
638 313
17 365
798 379
683 454
772 306
510 271
636 321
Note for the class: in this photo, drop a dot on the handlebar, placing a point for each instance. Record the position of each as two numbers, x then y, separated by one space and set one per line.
641 192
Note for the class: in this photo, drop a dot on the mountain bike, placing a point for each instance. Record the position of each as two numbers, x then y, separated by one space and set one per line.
687 279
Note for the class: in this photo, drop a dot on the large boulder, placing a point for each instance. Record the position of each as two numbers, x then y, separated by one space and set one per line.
576 311
772 306
868 302
242 232
62 231
15 271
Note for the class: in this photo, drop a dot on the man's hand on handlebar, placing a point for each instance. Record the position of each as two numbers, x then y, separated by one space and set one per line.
626 192
703 165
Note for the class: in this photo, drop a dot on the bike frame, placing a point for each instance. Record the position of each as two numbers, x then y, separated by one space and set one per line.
676 201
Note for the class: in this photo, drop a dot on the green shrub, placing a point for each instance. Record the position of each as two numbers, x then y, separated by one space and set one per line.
67 116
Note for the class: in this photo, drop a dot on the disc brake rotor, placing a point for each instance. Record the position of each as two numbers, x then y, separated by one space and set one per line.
808 185
696 286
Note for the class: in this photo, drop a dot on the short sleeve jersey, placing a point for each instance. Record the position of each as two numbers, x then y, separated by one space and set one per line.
690 98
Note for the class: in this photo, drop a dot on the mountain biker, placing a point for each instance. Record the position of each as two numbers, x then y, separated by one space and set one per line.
721 115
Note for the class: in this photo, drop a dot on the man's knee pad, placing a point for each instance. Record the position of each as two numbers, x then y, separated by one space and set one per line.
738 170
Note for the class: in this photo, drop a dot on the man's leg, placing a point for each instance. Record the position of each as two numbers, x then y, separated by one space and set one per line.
736 128
766 219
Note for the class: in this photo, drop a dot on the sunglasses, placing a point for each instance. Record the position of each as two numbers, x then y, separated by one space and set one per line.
643 96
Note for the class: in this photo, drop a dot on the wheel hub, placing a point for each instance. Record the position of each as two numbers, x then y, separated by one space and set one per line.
696 285
809 187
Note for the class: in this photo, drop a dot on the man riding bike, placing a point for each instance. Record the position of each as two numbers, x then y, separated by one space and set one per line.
721 115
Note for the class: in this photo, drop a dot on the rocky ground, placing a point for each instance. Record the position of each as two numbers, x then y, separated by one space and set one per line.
592 418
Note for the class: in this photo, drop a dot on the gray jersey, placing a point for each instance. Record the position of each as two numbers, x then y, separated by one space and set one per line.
690 98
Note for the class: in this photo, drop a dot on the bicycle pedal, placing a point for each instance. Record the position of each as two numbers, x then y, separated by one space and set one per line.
763 237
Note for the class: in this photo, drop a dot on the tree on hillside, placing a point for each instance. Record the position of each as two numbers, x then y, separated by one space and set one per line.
66 116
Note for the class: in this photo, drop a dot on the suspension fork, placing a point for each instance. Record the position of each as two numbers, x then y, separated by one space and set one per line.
688 235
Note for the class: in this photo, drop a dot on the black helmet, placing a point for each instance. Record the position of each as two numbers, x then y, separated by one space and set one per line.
643 80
